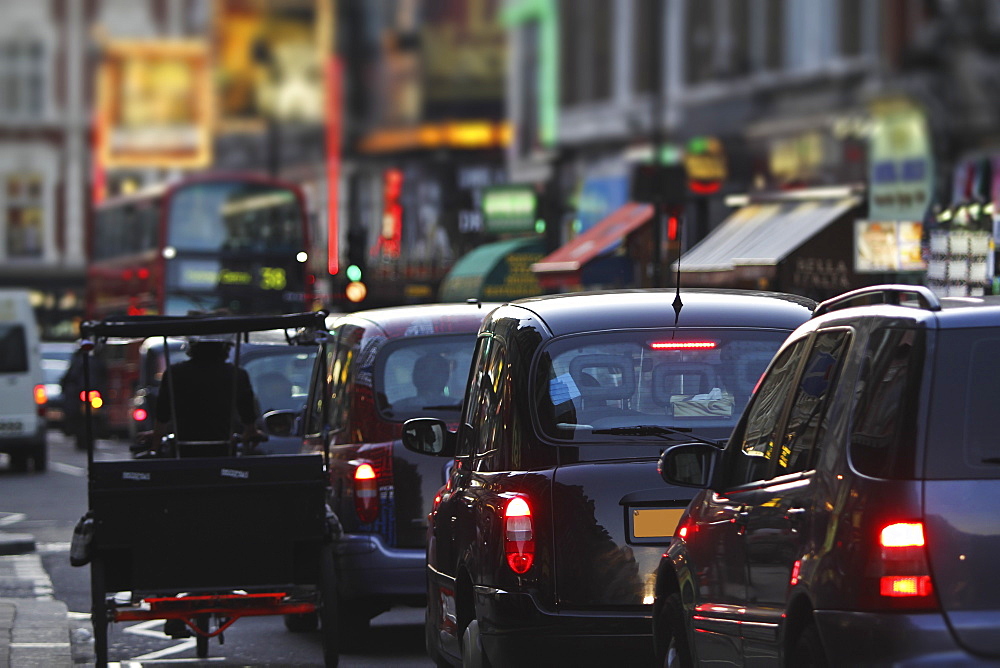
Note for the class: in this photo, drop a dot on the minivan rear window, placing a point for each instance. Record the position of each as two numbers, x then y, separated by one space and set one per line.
13 349
962 438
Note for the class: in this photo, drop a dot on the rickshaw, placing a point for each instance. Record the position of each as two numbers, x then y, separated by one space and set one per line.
207 539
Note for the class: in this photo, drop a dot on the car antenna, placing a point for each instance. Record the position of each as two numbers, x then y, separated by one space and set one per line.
678 304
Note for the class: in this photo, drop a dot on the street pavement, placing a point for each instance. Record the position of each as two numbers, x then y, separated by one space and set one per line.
35 629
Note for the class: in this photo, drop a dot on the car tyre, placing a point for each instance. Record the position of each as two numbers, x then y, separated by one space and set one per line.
19 462
808 651
676 648
41 458
303 623
473 655
329 612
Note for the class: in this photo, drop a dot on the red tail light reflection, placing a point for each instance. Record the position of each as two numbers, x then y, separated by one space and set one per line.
366 493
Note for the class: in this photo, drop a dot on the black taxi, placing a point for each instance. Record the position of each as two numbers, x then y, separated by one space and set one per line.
544 542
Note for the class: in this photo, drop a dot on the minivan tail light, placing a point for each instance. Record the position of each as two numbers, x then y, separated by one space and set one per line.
519 535
904 574
366 493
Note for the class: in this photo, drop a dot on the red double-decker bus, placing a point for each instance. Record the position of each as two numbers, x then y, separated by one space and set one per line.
233 242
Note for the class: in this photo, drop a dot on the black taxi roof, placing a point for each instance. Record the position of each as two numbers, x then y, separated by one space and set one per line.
400 320
653 307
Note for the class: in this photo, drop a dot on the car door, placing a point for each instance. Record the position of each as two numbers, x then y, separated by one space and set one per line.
784 518
717 551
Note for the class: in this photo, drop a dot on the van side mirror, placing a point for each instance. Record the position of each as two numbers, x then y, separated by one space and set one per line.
689 465
428 436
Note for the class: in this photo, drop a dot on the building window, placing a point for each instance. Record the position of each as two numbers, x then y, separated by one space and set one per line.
22 79
701 35
23 215
851 28
774 37
647 56
585 51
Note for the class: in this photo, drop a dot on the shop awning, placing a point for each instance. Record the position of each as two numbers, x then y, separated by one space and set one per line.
764 233
497 271
595 241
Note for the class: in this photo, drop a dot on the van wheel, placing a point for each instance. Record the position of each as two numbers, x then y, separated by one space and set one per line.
808 651
41 458
473 655
19 462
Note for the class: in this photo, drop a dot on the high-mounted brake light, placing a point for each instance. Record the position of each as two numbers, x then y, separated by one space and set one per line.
366 493
904 573
519 535
682 345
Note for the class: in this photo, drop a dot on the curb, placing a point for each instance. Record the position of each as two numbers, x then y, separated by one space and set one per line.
16 543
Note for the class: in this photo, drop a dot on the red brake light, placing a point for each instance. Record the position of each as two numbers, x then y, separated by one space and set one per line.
366 493
904 575
139 414
519 535
95 398
682 345
40 396
903 534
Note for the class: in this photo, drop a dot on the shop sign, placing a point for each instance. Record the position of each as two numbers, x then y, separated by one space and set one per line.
828 274
887 246
510 209
900 164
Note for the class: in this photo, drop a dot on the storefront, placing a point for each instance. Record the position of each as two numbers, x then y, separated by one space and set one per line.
498 271
800 242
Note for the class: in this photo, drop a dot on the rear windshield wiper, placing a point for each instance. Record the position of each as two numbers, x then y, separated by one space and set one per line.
657 430
991 460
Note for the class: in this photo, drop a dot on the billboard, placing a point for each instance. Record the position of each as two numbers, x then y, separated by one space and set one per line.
269 59
887 246
154 104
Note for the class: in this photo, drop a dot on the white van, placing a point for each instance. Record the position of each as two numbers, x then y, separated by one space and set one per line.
22 383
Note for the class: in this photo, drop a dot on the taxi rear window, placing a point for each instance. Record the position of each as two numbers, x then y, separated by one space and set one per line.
423 376
688 379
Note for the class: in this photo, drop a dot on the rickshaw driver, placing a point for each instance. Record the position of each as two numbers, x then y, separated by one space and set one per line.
202 388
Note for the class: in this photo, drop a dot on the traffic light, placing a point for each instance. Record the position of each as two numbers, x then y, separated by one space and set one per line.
357 256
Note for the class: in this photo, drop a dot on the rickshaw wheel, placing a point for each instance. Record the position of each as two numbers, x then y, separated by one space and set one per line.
202 641
99 612
328 611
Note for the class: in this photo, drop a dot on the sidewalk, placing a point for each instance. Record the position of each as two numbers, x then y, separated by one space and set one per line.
34 628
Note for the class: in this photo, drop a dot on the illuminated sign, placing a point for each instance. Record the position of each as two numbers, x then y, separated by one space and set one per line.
154 105
881 246
207 275
510 209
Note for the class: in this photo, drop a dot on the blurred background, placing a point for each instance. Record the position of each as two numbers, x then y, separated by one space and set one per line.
449 149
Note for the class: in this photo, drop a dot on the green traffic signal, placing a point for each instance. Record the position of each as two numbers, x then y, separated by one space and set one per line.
354 273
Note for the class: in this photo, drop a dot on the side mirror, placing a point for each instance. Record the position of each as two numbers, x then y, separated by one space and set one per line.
281 423
428 436
689 465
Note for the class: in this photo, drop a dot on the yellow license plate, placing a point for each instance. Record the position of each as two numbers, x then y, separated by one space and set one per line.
655 522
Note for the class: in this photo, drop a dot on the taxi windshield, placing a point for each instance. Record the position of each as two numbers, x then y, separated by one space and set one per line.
697 380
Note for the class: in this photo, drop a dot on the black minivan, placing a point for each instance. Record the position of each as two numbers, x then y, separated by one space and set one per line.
543 545
854 516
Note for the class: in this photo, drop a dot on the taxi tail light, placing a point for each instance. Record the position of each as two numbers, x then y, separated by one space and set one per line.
519 535
904 578
366 493
40 399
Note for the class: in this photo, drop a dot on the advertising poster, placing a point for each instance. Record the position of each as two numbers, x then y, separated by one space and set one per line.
887 246
154 105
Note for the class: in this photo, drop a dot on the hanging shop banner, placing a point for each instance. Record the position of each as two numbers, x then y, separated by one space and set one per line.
154 105
269 57
887 246
901 174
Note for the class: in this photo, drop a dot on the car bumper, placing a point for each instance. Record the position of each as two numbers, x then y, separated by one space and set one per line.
517 630
897 639
369 569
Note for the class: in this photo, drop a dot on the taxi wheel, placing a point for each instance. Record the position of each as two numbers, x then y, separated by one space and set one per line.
678 652
808 651
473 655
202 641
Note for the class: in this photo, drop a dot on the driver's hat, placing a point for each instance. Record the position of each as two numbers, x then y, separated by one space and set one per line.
203 341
